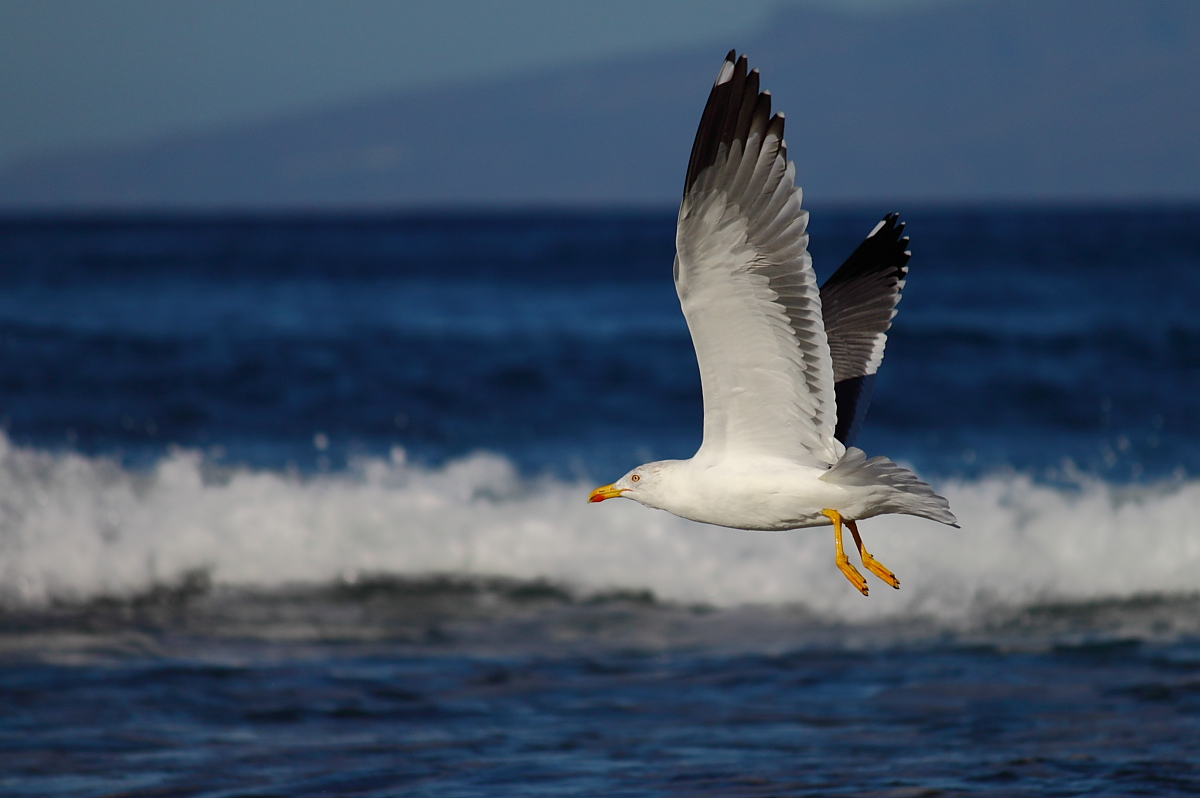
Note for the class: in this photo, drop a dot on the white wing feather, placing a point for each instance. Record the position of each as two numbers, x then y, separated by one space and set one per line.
747 288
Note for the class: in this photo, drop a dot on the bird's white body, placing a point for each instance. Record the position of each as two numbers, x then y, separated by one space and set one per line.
759 493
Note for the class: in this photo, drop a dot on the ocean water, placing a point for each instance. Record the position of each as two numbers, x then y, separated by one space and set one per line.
296 506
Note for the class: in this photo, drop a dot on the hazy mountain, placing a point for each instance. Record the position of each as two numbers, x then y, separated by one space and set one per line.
1008 99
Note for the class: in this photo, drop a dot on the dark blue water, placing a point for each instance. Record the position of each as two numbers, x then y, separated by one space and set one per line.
1024 337
249 544
1115 719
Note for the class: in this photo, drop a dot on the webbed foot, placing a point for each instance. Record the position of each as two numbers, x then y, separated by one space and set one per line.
870 563
849 571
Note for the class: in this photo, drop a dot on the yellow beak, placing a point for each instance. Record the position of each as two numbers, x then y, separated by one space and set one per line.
604 492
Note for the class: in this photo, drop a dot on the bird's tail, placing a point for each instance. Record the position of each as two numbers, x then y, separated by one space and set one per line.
904 492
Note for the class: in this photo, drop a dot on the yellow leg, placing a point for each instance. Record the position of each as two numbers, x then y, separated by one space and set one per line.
870 563
843 564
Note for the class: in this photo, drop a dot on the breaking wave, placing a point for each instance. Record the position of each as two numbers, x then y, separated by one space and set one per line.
75 528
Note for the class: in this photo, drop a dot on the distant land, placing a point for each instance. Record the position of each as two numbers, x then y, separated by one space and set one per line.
992 100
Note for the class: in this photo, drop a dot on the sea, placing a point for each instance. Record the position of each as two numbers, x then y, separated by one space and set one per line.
295 505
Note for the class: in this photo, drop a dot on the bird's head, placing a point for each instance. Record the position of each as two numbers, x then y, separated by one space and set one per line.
643 484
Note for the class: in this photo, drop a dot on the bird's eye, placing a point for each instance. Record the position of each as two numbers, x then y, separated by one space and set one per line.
635 478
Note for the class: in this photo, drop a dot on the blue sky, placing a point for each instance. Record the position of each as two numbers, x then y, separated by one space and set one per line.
83 73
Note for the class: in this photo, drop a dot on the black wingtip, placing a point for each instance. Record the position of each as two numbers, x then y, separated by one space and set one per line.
728 114
890 223
885 250
729 67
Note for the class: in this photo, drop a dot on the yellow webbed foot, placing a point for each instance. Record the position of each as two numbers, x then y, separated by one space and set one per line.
870 563
849 571
876 567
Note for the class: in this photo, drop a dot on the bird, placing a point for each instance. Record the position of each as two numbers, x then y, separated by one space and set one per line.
786 368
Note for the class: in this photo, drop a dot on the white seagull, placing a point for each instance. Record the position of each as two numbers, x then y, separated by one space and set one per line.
786 369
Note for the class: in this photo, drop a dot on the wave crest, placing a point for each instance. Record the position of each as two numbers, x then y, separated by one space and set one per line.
76 528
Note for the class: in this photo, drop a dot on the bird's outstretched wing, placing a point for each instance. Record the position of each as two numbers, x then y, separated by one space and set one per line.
858 303
746 284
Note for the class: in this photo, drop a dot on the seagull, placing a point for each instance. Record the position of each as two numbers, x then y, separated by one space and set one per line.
786 369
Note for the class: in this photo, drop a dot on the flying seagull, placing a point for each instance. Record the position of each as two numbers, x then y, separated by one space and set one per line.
786 369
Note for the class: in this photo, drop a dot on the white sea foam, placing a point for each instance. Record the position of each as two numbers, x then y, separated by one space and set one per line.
74 527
